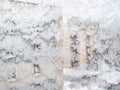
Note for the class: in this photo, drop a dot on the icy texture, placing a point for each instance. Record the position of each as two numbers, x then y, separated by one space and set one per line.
39 37
29 46
92 41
